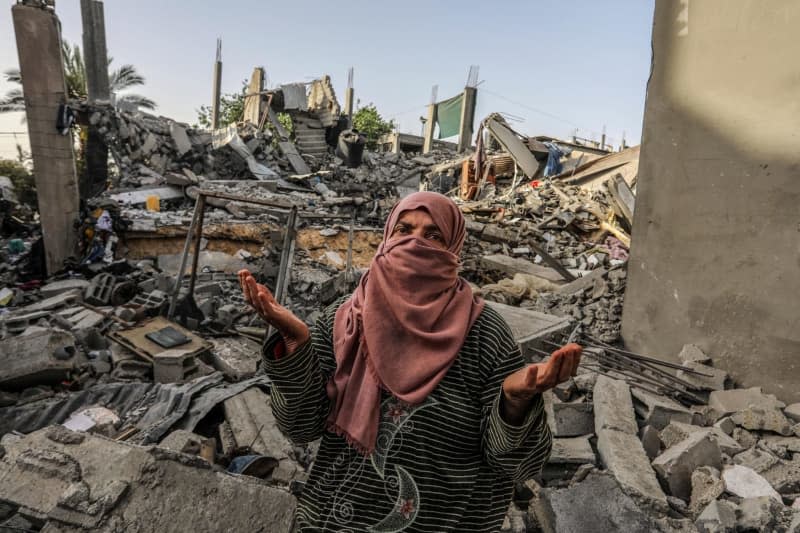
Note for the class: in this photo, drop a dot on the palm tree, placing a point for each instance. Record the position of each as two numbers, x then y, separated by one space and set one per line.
119 80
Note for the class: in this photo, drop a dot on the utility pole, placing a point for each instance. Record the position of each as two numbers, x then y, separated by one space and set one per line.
95 59
217 87
468 110
348 98
44 86
427 143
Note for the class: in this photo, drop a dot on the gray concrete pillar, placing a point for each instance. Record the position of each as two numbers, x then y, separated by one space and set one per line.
430 126
467 118
95 54
217 87
39 50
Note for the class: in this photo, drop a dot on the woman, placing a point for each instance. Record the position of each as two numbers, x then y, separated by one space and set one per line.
426 410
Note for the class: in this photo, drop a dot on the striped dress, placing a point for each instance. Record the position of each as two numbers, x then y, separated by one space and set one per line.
448 464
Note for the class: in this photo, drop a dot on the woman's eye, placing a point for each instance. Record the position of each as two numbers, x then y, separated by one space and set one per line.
435 237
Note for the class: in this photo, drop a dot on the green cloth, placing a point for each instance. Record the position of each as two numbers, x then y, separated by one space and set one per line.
447 465
448 116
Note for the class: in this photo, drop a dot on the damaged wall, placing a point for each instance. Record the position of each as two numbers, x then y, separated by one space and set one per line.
716 244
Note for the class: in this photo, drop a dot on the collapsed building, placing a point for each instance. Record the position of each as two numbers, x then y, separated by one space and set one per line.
130 381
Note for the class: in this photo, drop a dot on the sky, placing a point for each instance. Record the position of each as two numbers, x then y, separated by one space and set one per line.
554 66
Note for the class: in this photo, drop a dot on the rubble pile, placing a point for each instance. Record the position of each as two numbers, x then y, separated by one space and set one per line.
634 459
131 378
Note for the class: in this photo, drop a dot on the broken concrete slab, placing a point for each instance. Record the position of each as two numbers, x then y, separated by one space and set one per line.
65 299
791 444
718 517
675 432
570 419
101 484
707 486
38 356
792 412
216 261
623 456
567 456
658 411
531 328
651 441
691 353
236 357
183 441
613 407
746 483
730 401
784 477
249 415
756 458
758 514
763 418
716 379
676 464
180 138
140 196
54 288
603 507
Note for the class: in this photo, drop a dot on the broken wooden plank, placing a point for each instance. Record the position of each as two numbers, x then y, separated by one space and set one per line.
289 150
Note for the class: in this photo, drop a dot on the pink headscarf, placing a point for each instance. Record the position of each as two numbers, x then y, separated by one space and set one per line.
404 325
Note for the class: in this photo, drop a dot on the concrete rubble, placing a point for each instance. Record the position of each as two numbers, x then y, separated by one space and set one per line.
175 410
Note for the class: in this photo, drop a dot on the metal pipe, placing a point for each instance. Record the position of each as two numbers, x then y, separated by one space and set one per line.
184 258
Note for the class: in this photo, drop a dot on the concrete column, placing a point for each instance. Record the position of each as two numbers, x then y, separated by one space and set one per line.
253 101
348 105
715 252
349 98
430 125
467 118
95 58
39 50
216 89
95 55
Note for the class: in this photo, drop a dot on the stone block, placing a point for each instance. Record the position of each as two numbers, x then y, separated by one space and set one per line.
658 411
572 419
747 483
784 477
692 353
718 517
174 365
41 356
707 486
755 458
758 514
717 379
623 455
726 425
595 504
613 407
99 290
498 234
249 415
676 464
763 418
567 455
675 432
651 441
731 401
792 412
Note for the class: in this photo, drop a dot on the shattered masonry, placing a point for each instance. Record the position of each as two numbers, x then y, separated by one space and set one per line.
119 415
